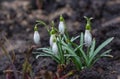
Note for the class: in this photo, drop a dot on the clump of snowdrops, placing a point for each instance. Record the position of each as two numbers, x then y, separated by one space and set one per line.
63 49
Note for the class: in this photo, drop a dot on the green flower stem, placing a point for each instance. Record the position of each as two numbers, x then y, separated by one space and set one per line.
39 22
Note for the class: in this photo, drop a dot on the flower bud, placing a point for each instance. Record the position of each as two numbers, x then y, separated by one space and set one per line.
51 39
36 37
55 48
61 26
88 36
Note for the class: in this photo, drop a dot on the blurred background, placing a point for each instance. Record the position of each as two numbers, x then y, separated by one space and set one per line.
18 17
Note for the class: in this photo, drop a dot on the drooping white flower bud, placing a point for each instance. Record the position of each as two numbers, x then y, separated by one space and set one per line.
51 39
36 37
55 48
88 38
61 26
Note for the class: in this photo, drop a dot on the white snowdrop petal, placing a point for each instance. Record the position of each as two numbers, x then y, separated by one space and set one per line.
36 37
51 39
61 27
55 48
88 38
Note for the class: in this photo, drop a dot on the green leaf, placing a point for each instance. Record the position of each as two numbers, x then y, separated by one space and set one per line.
92 48
84 56
75 58
99 48
105 53
102 46
43 49
68 55
108 56
81 40
74 38
43 23
77 48
48 52
61 52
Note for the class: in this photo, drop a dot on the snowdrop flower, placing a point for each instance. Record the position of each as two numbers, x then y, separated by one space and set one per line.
55 47
52 39
36 37
88 36
61 25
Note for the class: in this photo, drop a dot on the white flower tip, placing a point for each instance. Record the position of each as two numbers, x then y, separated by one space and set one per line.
61 28
88 38
51 39
36 37
55 48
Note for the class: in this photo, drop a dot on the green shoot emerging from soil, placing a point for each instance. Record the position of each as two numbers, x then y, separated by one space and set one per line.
63 49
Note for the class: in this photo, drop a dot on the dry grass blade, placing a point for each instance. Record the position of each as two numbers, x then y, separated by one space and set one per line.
11 71
13 53
10 59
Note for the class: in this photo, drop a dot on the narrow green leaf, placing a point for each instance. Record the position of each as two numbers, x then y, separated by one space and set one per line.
75 59
48 52
74 38
99 48
43 49
81 40
61 52
77 48
102 45
84 55
92 48
106 52
108 56
68 55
